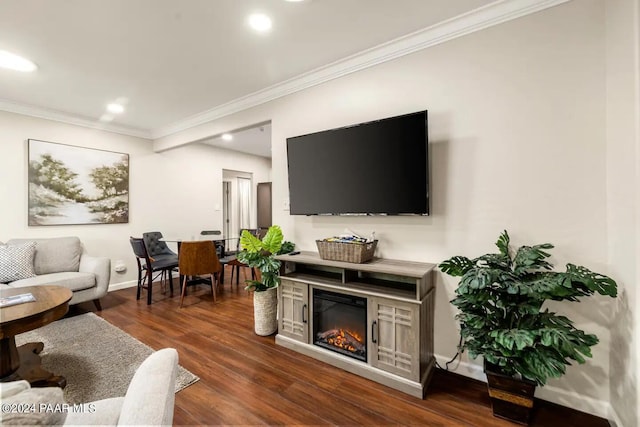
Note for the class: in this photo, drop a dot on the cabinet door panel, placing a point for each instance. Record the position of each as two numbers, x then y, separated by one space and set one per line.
395 346
294 310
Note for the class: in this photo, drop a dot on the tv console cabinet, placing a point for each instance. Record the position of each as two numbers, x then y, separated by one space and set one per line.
399 315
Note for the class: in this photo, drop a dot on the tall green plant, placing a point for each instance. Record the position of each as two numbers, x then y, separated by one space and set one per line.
500 298
260 254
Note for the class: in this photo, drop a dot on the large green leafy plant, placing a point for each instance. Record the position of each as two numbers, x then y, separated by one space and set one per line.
500 298
260 254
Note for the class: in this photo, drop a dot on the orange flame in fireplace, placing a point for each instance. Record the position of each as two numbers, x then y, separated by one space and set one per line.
344 340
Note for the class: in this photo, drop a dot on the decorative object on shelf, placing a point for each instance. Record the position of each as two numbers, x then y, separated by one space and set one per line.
261 255
500 298
76 185
347 248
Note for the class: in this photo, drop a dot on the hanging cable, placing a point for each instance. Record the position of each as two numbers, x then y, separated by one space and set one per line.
458 353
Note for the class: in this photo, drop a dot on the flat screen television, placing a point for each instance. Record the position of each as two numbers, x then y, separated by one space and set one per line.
373 168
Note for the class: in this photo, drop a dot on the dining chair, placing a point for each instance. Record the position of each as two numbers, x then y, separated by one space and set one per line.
220 244
221 250
147 266
197 259
157 248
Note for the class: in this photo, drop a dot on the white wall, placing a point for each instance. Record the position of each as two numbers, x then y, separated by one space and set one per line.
522 121
623 186
175 191
517 132
517 124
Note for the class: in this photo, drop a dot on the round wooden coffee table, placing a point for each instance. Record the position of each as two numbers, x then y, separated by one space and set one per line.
52 302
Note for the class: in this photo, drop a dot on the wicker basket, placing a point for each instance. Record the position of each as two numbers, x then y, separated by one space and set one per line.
347 252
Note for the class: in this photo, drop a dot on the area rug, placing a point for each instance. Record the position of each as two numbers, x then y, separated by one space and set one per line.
97 359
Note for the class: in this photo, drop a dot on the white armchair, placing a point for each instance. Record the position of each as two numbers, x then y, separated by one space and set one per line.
149 400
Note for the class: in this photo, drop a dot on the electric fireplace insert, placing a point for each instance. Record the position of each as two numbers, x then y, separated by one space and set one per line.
340 323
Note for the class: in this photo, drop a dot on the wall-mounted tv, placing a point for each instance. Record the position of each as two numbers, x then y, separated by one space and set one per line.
376 168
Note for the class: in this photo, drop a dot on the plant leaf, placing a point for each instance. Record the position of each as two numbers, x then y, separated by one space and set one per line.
254 285
594 282
456 266
493 261
531 258
548 285
272 241
541 364
511 338
503 243
286 247
249 242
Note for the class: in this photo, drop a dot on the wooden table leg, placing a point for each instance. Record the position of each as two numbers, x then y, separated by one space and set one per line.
9 358
29 365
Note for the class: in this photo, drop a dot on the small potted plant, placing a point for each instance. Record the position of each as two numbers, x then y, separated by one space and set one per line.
260 254
500 298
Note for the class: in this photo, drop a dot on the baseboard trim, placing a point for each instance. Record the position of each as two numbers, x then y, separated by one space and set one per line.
122 285
134 283
570 399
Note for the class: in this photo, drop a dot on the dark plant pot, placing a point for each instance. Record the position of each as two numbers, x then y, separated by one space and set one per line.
511 398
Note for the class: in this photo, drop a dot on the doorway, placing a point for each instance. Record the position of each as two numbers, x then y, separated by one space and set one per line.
237 202
264 205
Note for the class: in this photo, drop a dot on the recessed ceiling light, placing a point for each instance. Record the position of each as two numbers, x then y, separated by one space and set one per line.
115 108
14 62
259 22
227 136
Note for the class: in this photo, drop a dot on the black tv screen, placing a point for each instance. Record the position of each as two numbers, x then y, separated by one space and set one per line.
378 167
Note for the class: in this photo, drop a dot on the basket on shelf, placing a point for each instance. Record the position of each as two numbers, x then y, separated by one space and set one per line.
346 251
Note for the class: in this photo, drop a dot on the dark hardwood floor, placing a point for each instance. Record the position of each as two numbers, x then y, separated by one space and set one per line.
249 380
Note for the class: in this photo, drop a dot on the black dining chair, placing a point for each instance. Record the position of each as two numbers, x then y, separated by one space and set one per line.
158 250
147 266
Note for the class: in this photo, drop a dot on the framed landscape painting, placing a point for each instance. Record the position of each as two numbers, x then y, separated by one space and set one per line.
71 185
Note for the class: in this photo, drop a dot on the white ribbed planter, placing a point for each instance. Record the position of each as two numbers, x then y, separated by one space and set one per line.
265 309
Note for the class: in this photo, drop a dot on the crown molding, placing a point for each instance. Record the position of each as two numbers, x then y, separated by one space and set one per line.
484 17
43 113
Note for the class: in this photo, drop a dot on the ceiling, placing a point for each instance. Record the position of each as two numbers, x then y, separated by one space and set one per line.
171 60
254 140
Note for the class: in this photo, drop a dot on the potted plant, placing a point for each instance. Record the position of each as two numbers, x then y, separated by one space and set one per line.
500 298
260 254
